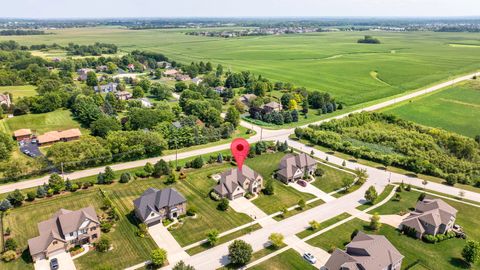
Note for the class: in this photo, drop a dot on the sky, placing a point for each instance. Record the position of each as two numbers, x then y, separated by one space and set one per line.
236 8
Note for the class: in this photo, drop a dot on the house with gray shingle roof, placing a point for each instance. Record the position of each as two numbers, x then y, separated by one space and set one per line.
155 205
366 252
63 231
431 216
294 167
235 183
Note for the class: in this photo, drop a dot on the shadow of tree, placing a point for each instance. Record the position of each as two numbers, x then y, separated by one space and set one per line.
459 263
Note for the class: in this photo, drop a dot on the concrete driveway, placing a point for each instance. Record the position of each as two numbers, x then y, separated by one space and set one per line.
164 239
301 247
313 190
242 205
65 262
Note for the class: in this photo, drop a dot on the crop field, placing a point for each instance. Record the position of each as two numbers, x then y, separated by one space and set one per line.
334 62
19 91
455 109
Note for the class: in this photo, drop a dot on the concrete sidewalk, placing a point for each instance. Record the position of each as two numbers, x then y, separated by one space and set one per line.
243 205
164 239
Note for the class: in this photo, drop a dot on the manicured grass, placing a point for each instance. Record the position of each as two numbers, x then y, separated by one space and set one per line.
298 210
323 225
19 91
224 239
288 260
255 256
41 123
332 179
380 198
332 62
454 109
284 195
443 255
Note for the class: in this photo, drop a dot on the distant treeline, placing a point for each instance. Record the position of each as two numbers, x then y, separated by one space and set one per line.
18 32
96 49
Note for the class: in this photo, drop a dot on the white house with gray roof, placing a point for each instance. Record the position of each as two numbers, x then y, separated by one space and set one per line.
294 167
366 252
235 183
431 216
63 231
155 205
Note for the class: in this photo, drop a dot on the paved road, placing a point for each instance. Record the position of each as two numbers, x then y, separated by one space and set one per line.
264 134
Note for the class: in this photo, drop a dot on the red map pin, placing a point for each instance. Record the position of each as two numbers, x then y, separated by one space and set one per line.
240 148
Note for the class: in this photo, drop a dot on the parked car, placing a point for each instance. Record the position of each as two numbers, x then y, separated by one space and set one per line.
302 183
54 264
310 258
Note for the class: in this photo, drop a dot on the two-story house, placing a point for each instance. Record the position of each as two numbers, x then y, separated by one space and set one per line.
155 205
294 167
370 252
63 231
235 183
431 216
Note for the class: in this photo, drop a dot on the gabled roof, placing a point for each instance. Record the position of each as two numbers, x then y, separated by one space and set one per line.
63 222
273 105
53 136
372 252
232 178
430 211
154 200
290 163
22 132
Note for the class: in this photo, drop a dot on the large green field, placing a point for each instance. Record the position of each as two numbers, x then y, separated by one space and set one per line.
455 109
41 123
333 62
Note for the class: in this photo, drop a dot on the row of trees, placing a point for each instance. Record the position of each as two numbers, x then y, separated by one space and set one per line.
392 141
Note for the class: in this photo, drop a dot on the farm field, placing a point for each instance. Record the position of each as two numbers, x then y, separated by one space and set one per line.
333 62
455 109
41 123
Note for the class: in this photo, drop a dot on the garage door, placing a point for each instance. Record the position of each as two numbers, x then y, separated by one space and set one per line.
55 252
155 222
238 196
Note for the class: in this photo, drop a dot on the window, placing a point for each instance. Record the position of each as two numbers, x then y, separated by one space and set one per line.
71 234
54 242
93 228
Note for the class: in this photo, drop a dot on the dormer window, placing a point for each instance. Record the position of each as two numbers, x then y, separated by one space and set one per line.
71 234
152 214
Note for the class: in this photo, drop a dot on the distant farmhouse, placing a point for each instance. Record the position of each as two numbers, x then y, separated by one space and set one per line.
294 167
366 252
59 136
5 100
182 77
22 134
123 95
247 99
107 88
145 102
197 81
170 72
431 216
156 205
63 231
235 183
82 73
164 64
272 107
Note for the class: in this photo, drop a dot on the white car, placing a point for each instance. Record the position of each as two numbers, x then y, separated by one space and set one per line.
310 258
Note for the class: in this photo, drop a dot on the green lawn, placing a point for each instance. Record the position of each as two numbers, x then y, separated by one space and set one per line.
19 91
332 62
380 198
332 179
323 225
443 255
284 196
41 123
287 260
454 109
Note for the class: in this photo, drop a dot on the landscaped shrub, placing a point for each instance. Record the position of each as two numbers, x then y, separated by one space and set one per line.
9 255
125 178
11 244
319 172
223 205
191 211
142 174
214 196
105 226
142 230
103 245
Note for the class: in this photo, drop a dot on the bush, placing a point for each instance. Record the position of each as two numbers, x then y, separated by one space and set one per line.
103 245
142 174
125 178
191 211
276 239
31 195
269 189
10 244
9 255
214 196
142 230
105 226
429 238
197 163
223 205
319 172
158 257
